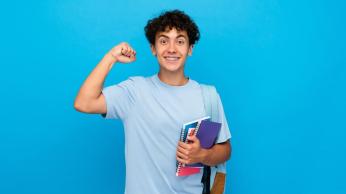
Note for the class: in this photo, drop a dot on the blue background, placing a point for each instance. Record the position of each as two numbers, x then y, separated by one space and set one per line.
279 67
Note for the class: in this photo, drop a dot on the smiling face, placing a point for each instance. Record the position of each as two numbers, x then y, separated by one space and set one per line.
171 49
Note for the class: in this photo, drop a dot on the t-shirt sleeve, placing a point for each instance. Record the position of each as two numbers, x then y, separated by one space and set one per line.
224 133
120 99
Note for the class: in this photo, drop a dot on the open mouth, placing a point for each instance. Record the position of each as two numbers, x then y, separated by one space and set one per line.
172 59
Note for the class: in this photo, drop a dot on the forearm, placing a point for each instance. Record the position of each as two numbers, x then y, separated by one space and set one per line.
219 153
93 85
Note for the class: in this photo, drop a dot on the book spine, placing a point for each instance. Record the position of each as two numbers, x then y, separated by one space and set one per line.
178 169
182 134
179 163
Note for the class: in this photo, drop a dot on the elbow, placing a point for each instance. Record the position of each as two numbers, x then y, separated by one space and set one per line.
229 151
77 106
80 107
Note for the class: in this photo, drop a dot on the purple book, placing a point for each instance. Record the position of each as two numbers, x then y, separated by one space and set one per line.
207 133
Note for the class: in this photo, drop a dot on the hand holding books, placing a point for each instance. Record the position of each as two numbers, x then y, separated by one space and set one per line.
190 152
196 136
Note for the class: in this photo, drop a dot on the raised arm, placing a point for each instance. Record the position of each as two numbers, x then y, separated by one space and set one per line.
90 98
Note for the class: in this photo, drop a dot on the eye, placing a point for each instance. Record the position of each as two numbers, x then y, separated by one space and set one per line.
181 42
163 41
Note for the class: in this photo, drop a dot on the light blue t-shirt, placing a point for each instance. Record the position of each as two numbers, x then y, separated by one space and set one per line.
153 114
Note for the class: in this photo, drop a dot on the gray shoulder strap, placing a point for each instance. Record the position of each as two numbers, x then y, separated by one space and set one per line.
210 101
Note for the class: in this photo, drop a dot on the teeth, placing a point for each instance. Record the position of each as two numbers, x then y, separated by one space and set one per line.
172 58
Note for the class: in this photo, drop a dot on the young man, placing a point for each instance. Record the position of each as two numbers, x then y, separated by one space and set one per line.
153 109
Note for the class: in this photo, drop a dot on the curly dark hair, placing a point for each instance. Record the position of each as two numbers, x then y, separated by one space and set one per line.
172 19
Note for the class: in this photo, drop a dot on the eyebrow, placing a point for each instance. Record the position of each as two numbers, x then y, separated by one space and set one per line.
180 35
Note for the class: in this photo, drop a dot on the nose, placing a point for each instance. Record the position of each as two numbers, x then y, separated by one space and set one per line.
171 48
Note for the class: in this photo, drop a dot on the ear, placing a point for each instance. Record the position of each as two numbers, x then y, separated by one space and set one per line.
153 50
190 50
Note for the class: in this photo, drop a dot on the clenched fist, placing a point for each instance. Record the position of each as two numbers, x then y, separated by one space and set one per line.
123 53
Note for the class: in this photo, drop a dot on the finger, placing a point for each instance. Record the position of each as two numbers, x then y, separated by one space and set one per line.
128 53
191 137
125 59
181 160
131 52
182 155
184 145
182 150
124 50
132 58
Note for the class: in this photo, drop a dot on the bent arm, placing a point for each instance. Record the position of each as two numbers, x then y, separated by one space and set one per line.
218 154
90 98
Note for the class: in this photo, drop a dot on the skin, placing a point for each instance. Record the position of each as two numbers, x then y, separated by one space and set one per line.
175 44
171 49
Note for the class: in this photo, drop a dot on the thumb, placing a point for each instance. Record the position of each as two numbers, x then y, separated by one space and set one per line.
192 138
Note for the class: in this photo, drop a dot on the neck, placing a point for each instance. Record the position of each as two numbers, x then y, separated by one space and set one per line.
173 78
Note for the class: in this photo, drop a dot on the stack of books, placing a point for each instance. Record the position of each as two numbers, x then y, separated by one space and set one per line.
206 131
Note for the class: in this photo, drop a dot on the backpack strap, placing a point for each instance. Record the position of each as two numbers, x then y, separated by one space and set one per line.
210 101
212 176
